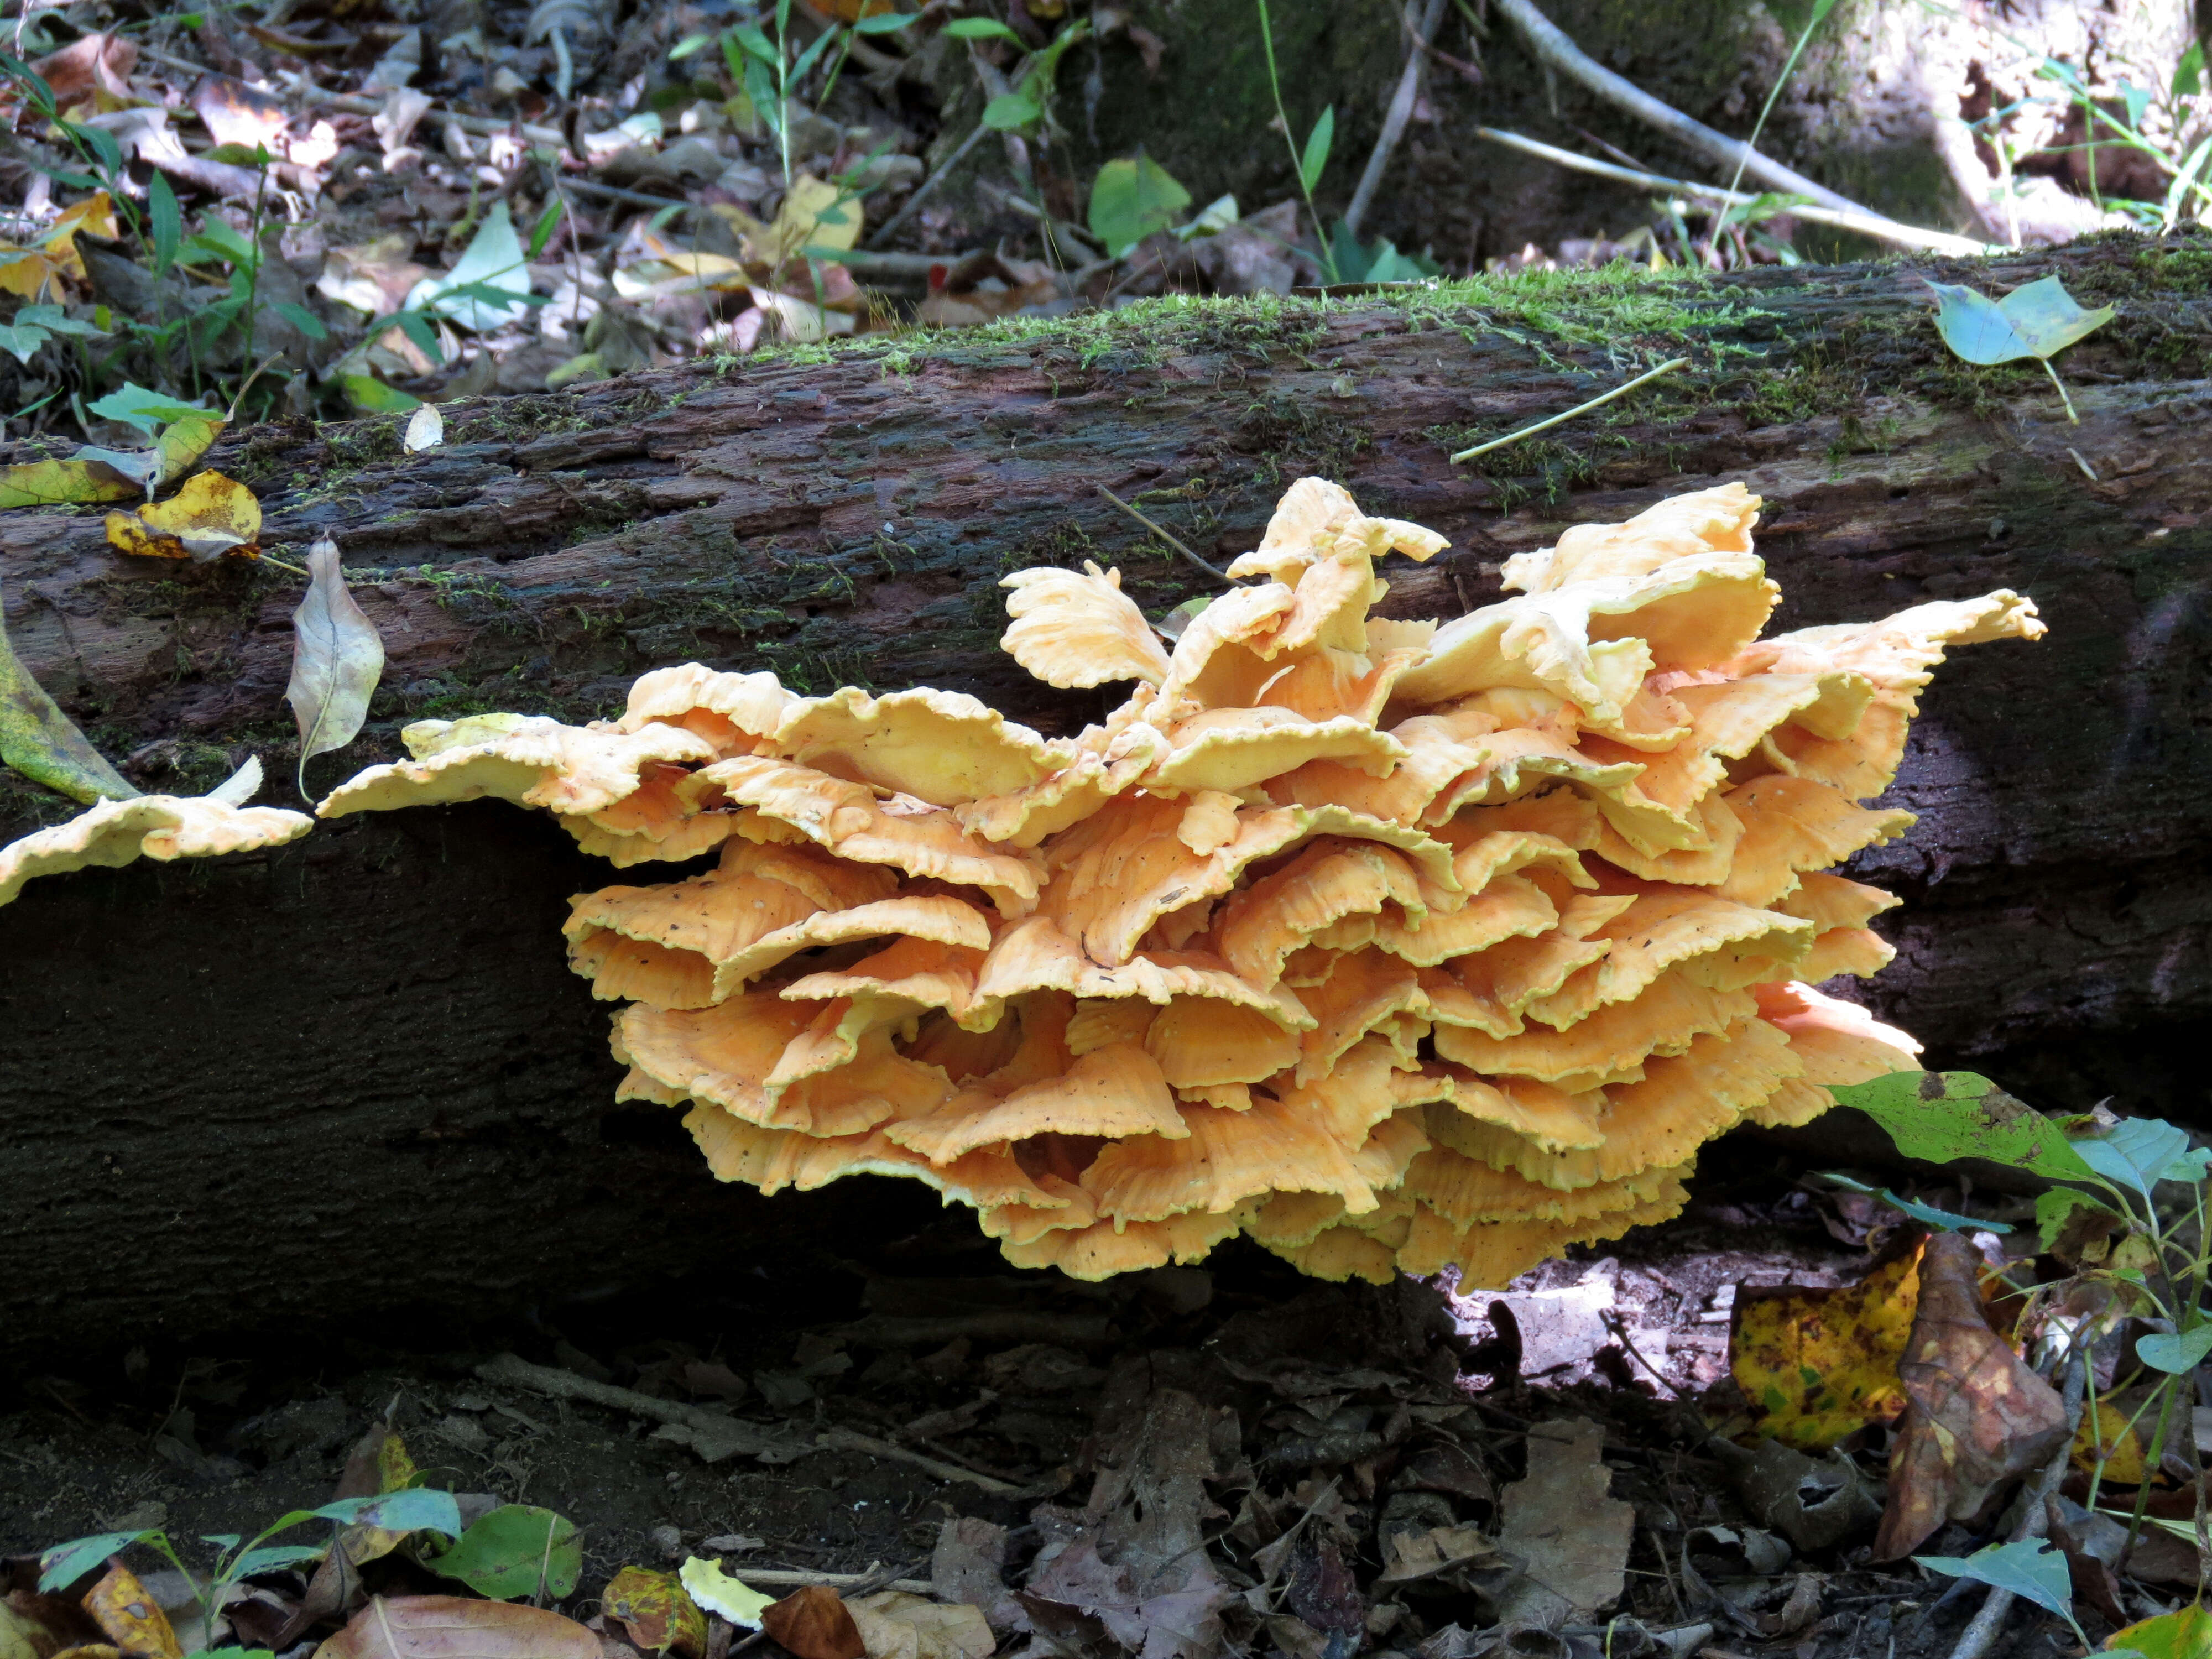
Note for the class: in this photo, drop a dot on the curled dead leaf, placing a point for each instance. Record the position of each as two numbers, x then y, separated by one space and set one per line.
211 517
337 657
1979 1418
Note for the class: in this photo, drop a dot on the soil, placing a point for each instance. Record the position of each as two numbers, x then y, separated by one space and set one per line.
221 1439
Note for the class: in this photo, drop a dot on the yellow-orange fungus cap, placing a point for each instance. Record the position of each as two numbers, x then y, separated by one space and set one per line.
531 761
941 747
847 819
1400 946
1112 1091
733 711
1838 1042
1073 629
111 833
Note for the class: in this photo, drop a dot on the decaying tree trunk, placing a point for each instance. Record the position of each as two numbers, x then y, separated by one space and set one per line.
355 1074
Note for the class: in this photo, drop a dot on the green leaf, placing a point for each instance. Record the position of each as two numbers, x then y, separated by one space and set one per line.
1011 112
301 319
90 475
2175 1354
372 396
1315 158
757 45
504 1554
2030 1569
63 1564
185 439
2036 319
101 142
55 320
2141 1152
2055 1208
1943 1117
1948 1220
983 28
492 264
414 1509
689 45
1131 199
274 1558
219 239
548 223
135 405
883 22
164 220
2189 73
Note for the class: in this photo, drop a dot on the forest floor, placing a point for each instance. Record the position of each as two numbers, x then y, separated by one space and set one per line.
1301 1468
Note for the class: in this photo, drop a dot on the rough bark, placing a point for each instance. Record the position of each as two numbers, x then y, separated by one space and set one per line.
354 1073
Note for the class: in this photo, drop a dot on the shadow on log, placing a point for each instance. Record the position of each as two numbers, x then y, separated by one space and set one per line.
354 1073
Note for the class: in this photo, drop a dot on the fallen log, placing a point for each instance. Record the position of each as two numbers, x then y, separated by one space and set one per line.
353 1075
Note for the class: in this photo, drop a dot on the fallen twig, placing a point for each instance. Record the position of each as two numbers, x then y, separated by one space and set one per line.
922 190
1855 219
852 1440
1423 28
1550 43
716 1435
1667 367
1217 575
796 1577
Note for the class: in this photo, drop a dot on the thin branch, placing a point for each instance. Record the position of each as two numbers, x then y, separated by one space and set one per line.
1546 39
921 191
1980 1634
1854 219
1423 28
1621 390
1217 575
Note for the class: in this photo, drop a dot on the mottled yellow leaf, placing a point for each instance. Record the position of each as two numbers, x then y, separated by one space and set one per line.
211 516
1815 1365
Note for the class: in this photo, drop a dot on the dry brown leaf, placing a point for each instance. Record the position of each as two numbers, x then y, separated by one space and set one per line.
1979 1418
458 1628
814 1623
1569 1533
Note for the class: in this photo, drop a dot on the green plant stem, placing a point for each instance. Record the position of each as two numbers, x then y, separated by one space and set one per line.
1217 575
1298 162
1820 10
1667 367
2061 385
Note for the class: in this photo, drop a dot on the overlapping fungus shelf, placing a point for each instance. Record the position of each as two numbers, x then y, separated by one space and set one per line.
1395 945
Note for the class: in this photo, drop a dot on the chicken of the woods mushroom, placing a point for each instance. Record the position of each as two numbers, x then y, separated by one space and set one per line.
1395 945
113 833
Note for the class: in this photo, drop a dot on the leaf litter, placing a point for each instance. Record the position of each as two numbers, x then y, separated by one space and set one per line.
1196 1464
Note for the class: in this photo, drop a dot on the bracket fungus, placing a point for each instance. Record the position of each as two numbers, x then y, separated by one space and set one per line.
113 833
1393 945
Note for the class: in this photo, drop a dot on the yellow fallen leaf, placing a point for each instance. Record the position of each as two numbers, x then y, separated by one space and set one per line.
130 1617
1815 1365
50 483
184 439
656 1611
28 271
2106 1438
211 516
